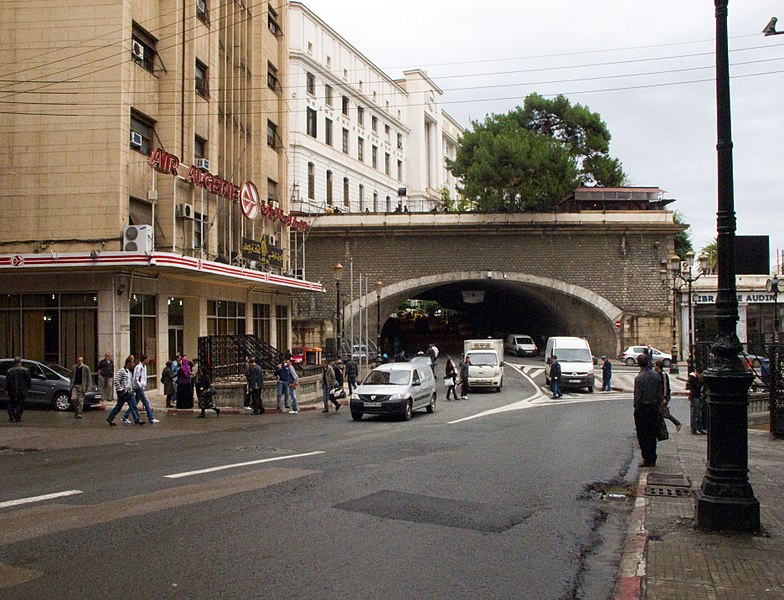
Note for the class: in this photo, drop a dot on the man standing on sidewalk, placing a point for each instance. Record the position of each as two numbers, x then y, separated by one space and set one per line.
647 402
105 374
81 377
255 379
17 383
695 385
292 381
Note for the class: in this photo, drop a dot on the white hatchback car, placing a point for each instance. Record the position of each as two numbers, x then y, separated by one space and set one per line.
631 353
395 389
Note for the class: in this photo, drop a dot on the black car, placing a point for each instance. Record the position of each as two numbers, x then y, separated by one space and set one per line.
51 385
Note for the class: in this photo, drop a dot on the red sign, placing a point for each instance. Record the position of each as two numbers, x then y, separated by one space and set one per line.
618 324
249 200
247 194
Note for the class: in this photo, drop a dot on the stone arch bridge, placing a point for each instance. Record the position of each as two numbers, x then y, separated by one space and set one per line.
592 274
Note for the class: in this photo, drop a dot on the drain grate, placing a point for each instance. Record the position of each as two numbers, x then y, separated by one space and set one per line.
667 491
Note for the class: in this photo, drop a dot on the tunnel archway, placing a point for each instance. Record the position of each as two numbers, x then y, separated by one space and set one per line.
513 303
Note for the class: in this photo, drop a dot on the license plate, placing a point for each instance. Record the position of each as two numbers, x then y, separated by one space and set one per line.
574 381
372 404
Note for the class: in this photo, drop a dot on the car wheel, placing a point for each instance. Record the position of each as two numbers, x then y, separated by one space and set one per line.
629 362
431 408
666 362
357 416
408 411
61 401
590 389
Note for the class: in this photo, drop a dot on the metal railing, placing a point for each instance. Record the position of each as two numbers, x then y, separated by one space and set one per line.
225 357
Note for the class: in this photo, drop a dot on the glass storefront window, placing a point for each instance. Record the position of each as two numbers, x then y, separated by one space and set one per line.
225 317
261 321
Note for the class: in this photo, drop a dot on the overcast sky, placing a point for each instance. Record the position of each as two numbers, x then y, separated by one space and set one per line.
646 67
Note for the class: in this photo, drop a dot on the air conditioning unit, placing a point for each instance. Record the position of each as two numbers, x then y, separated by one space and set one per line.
137 238
137 51
201 7
203 163
185 211
136 139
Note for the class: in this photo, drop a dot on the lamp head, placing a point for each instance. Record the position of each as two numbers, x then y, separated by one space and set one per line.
675 263
378 287
772 285
338 270
703 259
690 257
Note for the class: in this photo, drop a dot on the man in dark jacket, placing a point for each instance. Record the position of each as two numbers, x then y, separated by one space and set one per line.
17 384
255 378
555 377
648 398
352 370
606 374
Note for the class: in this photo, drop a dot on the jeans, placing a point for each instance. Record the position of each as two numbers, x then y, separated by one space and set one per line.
122 399
325 391
284 391
138 394
556 389
352 383
696 415
606 387
292 397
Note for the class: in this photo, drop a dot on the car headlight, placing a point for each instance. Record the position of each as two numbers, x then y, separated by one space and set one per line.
396 397
354 396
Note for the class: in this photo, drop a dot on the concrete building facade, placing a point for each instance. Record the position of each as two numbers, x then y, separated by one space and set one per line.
144 184
361 141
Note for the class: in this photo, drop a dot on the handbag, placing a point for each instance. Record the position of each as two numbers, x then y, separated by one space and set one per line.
449 381
661 429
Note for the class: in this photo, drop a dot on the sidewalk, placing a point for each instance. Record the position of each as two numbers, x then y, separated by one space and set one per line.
667 558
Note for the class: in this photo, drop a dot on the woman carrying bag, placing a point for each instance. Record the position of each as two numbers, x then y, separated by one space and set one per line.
450 379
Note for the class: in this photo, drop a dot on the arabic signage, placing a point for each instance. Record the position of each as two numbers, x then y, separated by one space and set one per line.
246 194
262 252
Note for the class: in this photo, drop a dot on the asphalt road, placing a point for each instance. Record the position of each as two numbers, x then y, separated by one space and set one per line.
498 496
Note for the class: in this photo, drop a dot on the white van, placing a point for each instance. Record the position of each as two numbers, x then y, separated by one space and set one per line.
574 355
520 344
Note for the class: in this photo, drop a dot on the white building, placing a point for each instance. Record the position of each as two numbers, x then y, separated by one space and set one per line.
360 141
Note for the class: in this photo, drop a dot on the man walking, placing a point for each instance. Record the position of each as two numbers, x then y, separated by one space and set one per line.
465 367
666 395
292 381
17 384
105 374
555 377
124 393
139 385
352 370
255 379
80 383
695 386
328 386
432 352
606 374
647 403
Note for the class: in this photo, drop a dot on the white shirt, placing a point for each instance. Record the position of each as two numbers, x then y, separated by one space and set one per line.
140 376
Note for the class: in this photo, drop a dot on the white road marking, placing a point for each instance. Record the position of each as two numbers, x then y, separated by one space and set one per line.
242 464
32 499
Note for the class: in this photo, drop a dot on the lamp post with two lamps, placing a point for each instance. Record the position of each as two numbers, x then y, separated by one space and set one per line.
338 271
378 318
682 270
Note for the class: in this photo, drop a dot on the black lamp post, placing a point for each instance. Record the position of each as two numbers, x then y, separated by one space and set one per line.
378 318
338 270
772 286
726 501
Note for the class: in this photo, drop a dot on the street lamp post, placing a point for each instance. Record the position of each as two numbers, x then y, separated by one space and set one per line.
772 286
682 270
338 271
378 318
725 500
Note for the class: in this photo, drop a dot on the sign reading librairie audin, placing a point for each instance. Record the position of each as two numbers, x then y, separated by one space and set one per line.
262 252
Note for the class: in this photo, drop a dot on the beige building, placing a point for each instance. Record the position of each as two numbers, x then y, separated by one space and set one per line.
144 180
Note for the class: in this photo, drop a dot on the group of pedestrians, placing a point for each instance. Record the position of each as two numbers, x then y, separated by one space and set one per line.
130 384
453 378
286 383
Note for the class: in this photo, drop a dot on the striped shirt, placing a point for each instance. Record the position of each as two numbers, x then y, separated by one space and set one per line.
122 381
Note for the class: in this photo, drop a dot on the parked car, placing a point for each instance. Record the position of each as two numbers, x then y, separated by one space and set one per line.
395 389
51 385
520 345
631 353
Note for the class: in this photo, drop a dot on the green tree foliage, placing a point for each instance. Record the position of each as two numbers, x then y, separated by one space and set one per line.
711 251
683 238
533 156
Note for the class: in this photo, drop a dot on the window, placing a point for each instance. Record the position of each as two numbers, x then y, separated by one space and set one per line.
200 225
329 188
374 123
311 181
144 129
400 170
261 321
386 132
361 116
329 60
143 48
374 157
272 135
272 190
144 330
375 201
310 85
361 198
272 21
199 147
272 78
312 124
345 141
399 141
345 105
389 204
202 82
310 47
282 326
225 318
360 149
201 11
386 163
346 201
328 131
328 95
139 211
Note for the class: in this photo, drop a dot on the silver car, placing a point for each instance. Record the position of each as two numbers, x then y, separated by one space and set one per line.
395 389
51 385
